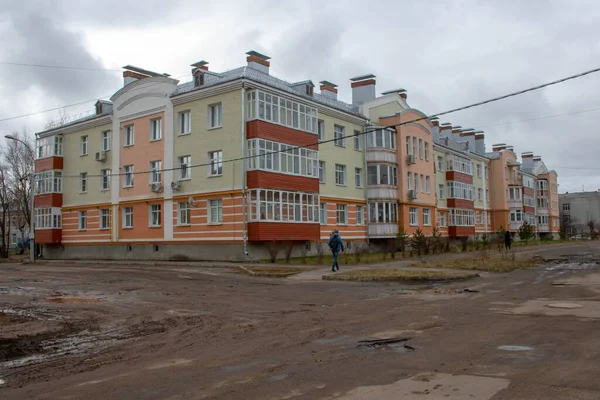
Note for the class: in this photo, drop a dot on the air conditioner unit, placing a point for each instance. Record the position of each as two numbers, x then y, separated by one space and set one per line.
175 186
410 159
156 187
412 194
101 156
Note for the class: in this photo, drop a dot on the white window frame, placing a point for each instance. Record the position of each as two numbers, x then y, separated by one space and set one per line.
82 220
421 149
155 172
440 163
216 206
128 176
128 135
154 215
426 217
360 215
479 170
215 161
105 179
441 191
479 194
322 172
358 172
105 218
184 122
215 116
356 138
321 129
383 212
184 164
340 175
280 110
155 129
267 155
323 213
381 138
341 214
127 217
105 140
426 151
413 214
83 182
184 213
84 144
427 184
339 135
384 174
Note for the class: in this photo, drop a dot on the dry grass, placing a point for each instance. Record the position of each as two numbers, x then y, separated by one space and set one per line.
494 263
397 275
273 272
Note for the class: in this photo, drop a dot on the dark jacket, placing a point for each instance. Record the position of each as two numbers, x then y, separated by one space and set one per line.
507 237
340 243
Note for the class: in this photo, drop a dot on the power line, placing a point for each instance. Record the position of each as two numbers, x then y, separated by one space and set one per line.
59 67
70 105
494 99
538 118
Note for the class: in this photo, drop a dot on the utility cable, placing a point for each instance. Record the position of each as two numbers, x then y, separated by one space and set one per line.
59 67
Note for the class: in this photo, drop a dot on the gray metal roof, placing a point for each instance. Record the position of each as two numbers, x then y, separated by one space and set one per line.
269 80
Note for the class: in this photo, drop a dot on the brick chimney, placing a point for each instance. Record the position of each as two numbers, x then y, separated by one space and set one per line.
527 161
498 147
363 89
479 142
203 65
132 74
329 89
400 92
258 61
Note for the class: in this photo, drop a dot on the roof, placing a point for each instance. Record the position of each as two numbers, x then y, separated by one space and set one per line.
394 91
143 71
362 77
269 80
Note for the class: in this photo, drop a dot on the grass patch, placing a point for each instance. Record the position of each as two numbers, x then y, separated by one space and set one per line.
347 258
396 275
273 272
494 263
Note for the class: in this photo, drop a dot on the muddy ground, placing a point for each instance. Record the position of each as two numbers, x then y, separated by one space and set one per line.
149 332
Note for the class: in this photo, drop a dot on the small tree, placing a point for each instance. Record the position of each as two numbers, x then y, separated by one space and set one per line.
418 242
526 232
288 248
320 247
500 233
592 230
566 228
436 241
402 240
273 250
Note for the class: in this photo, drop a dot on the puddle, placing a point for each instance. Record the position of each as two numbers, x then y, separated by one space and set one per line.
395 344
276 378
236 368
335 340
572 266
71 300
2 382
564 305
515 348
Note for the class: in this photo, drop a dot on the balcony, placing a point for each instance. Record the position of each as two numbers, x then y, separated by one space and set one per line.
543 228
381 155
514 226
384 230
382 192
515 204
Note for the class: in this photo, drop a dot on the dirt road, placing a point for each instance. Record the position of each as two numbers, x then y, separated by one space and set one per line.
134 332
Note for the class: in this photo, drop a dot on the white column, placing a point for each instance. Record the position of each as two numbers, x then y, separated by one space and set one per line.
169 163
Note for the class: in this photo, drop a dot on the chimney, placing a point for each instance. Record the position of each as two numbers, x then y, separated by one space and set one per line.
469 136
537 158
329 89
479 142
435 121
511 148
498 147
400 92
258 61
203 65
363 89
132 74
527 161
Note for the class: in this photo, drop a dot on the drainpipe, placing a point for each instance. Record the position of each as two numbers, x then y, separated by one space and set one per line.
366 186
244 207
485 205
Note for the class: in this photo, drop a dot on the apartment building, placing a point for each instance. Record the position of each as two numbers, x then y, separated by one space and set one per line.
218 167
579 208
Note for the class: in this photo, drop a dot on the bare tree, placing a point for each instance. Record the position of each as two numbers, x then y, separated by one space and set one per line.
5 202
17 160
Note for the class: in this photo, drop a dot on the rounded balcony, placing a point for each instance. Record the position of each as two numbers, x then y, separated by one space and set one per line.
382 192
380 154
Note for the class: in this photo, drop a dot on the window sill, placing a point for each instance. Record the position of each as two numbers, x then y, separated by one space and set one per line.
103 229
215 176
105 190
154 226
338 184
215 223
83 192
339 224
156 140
184 179
105 150
184 225
184 134
127 145
128 187
339 145
127 227
322 183
83 155
413 224
212 128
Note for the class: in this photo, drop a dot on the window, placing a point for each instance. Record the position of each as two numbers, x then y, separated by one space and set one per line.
440 165
155 217
48 182
383 174
184 216
48 218
128 176
414 150
340 174
460 164
279 157
422 183
416 182
105 141
185 123
185 167
339 135
281 111
443 221
357 137
480 194
427 184
127 217
460 190
323 213
342 214
84 145
426 151
82 220
322 171
215 211
155 172
214 116
543 219
358 177
383 212
460 217
413 216
83 182
426 217
104 218
321 129
105 179
487 194
487 173
155 129
566 207
48 147
383 138
277 205
528 200
360 217
516 216
408 145
410 183
514 193
482 218
421 149
441 192
215 159
128 137
479 170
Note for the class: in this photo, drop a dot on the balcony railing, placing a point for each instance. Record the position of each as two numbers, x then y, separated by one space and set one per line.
382 192
515 203
543 228
385 230
381 155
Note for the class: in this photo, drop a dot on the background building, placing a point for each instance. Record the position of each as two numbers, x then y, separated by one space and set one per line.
579 208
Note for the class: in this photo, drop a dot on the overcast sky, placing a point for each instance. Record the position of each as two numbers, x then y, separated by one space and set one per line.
445 53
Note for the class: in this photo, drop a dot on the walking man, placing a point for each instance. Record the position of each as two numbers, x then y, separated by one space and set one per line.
336 245
507 239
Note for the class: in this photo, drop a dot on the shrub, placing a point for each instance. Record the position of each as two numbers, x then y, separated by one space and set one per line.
320 247
288 248
273 248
